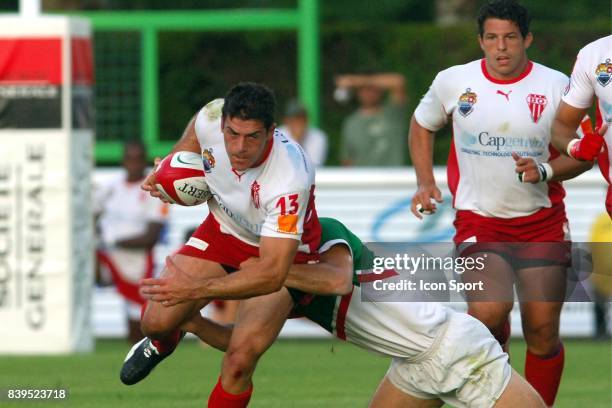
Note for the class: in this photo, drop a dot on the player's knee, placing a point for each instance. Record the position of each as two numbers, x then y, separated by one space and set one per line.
156 328
543 338
239 364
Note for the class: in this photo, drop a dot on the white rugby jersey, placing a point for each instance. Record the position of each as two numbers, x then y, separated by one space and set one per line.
592 76
491 119
274 199
126 210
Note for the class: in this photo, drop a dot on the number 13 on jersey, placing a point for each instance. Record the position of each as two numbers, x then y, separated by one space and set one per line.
288 218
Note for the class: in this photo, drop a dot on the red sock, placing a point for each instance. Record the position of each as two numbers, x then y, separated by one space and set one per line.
169 343
544 374
219 398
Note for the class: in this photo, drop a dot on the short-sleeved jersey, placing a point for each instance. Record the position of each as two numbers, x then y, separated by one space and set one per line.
491 119
126 210
592 77
273 199
398 329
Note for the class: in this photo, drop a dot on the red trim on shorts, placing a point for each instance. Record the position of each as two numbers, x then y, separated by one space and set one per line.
127 289
526 71
345 301
545 227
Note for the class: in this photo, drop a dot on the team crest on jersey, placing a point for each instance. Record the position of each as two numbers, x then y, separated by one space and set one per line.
466 102
255 187
536 104
603 73
208 159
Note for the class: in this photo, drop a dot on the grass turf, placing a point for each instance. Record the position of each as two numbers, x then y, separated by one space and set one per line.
293 373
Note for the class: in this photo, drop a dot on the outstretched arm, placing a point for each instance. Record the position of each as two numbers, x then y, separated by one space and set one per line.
392 82
265 275
332 275
421 141
564 137
559 169
210 332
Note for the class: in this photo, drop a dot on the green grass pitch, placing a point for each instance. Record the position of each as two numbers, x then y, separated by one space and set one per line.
293 373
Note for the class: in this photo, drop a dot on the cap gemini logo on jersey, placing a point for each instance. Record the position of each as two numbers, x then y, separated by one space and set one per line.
536 104
255 187
208 159
603 73
466 102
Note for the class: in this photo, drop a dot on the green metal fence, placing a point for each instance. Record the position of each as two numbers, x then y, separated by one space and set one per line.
138 30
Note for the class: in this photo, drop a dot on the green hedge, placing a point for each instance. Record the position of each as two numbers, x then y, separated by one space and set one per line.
196 67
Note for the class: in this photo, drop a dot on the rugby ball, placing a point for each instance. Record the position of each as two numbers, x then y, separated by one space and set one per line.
179 177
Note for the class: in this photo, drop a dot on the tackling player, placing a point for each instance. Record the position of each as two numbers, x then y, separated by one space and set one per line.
502 107
592 76
438 355
262 206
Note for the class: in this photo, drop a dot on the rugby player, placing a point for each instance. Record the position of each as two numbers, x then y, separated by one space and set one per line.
502 108
438 355
262 206
591 77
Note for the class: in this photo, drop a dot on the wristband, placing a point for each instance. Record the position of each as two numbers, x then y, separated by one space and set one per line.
546 171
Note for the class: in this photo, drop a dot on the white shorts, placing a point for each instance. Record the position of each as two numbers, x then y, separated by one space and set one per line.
465 367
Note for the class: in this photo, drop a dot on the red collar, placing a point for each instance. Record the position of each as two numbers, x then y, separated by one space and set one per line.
526 71
266 153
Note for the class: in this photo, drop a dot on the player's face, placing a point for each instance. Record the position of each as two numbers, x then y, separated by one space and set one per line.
134 162
504 47
369 96
245 141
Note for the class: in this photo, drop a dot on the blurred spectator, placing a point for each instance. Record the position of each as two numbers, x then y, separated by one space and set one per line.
312 140
601 247
130 224
375 134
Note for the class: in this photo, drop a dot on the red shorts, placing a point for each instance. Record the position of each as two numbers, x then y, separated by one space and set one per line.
537 239
208 242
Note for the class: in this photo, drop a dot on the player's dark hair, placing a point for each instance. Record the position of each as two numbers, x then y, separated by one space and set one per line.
249 100
509 10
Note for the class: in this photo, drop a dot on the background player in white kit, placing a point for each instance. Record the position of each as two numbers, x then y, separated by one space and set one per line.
262 206
130 225
438 355
591 77
502 107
